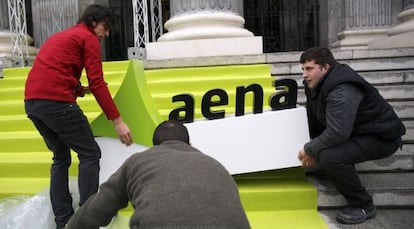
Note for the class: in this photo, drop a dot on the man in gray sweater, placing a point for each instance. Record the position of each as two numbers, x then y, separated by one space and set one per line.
171 185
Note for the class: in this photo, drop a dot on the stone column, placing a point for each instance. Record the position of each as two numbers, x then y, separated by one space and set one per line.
402 34
204 19
366 20
205 28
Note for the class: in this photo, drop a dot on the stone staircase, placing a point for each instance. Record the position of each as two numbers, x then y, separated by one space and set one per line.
272 199
389 180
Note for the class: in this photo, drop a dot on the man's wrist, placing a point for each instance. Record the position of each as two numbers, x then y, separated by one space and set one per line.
117 120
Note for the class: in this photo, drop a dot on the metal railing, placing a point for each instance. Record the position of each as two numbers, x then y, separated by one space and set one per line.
143 31
285 25
18 29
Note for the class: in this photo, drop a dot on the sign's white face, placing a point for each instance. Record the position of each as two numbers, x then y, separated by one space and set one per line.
255 142
243 144
249 124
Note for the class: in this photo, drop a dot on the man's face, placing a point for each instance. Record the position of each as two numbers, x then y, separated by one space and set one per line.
100 29
313 73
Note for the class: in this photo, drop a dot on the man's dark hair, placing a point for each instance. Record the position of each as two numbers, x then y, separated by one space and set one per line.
97 13
170 130
320 55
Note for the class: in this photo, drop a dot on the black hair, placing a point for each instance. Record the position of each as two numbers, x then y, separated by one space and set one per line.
320 55
97 13
170 130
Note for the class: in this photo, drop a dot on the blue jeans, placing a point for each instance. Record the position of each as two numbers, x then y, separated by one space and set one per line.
63 126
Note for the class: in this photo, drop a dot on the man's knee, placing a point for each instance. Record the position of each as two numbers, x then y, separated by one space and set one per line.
329 158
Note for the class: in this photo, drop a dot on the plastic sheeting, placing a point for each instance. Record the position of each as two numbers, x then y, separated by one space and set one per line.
31 211
35 212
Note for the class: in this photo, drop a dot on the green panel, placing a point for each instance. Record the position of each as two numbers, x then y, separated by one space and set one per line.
135 104
23 186
298 219
166 83
272 199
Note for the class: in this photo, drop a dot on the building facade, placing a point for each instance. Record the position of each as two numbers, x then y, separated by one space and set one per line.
283 25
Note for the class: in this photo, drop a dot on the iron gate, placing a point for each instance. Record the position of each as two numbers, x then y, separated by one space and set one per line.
286 25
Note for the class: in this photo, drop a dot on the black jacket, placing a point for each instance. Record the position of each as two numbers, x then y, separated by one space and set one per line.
374 116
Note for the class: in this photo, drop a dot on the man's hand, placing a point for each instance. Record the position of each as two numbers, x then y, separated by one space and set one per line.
123 131
86 90
307 161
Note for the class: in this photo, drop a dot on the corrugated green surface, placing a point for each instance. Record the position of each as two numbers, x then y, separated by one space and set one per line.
272 199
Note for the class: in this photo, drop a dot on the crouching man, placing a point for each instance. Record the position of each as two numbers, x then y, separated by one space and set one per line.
349 122
171 185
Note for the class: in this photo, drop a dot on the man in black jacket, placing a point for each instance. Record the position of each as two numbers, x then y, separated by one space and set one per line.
349 122
171 185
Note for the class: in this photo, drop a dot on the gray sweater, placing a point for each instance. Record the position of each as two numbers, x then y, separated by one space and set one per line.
172 185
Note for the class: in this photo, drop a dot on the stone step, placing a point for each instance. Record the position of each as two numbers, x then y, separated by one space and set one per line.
360 60
409 135
385 219
389 190
404 109
284 57
374 77
402 160
290 57
364 65
389 92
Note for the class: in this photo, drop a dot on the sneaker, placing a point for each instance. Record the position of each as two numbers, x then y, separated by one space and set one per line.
355 215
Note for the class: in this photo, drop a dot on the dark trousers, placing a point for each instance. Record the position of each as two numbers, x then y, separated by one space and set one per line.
63 126
339 164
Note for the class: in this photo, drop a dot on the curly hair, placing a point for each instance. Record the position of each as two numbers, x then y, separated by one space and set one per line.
97 13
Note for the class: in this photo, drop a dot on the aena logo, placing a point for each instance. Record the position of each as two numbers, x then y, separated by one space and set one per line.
285 97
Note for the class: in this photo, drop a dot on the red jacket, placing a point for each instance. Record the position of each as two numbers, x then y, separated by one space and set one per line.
58 66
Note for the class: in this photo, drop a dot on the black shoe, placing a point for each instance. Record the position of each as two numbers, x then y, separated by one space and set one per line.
354 215
61 226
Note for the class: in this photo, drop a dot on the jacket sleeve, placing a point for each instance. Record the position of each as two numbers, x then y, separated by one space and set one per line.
342 105
94 72
315 127
101 207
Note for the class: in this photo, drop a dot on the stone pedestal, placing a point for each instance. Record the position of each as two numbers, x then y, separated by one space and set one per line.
205 28
366 20
6 50
6 47
402 34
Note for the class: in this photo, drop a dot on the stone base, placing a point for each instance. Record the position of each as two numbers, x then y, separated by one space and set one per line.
204 47
357 39
404 40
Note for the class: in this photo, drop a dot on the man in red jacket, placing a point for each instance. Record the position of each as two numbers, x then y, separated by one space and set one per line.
52 87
